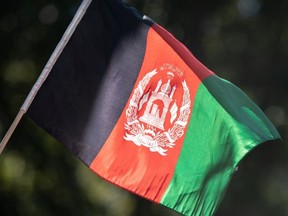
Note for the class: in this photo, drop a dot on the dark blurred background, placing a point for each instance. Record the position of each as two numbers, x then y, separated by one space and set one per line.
243 41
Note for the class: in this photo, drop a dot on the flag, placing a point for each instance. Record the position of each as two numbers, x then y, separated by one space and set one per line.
142 112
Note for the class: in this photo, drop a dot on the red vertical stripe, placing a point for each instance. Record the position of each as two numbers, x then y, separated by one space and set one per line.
198 68
133 167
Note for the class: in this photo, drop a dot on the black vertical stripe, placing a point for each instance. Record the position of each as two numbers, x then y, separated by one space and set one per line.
87 89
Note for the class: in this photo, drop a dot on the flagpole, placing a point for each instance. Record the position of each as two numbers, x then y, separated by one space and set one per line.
47 69
11 129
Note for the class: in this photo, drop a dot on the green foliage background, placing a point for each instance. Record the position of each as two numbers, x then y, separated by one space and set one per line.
243 41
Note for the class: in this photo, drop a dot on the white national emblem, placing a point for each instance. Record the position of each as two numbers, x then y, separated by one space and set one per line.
149 129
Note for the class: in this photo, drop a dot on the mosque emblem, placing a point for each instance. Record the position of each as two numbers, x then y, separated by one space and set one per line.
159 109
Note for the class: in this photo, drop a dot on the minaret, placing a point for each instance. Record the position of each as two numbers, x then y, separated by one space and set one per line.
158 104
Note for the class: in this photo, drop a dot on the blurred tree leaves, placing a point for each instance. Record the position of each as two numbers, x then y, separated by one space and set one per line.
244 41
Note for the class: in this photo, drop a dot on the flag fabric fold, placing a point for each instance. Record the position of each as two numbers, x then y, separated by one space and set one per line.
141 111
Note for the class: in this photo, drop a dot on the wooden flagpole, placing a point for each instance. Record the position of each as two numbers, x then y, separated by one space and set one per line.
48 67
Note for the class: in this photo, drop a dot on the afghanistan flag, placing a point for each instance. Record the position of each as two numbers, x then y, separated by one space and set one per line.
142 112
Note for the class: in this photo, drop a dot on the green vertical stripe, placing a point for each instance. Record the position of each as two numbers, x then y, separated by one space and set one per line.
225 125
